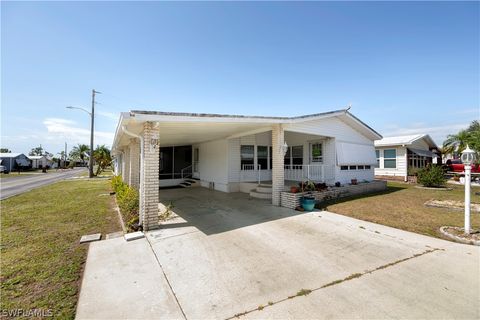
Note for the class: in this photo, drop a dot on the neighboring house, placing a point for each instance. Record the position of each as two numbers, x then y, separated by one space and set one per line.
233 153
14 161
39 162
397 155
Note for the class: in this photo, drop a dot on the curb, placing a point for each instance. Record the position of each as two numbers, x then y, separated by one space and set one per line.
457 238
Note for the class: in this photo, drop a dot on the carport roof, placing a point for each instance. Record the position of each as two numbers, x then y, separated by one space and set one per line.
190 128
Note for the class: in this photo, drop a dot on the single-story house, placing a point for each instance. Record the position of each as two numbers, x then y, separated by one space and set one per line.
39 162
13 161
234 153
396 156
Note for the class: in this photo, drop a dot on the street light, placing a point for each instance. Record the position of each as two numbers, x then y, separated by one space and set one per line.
468 157
92 117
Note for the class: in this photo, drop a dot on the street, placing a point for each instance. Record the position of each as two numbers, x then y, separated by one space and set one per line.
16 185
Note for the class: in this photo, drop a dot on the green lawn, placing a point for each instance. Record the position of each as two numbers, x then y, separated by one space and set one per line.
402 206
42 260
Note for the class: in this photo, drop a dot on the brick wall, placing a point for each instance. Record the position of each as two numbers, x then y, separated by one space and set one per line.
134 171
278 174
292 200
149 188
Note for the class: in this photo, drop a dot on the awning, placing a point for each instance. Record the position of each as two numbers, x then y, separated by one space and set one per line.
423 153
355 154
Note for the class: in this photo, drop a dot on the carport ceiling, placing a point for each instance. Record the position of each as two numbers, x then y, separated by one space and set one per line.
186 133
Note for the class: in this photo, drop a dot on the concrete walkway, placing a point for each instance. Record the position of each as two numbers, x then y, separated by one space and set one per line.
123 280
228 255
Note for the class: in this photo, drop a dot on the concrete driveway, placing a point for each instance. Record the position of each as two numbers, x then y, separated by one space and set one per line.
229 255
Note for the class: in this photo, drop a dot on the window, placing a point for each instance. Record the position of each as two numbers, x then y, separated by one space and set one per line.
262 157
316 152
390 158
246 157
367 167
360 167
287 159
377 154
297 155
353 168
344 168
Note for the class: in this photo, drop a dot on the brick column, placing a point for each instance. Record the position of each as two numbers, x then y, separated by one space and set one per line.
278 174
150 183
134 179
126 165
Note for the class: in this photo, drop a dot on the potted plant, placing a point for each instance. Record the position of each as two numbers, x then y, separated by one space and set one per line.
293 189
354 181
338 184
308 199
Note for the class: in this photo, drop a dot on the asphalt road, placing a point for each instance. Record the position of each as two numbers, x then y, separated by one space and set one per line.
13 186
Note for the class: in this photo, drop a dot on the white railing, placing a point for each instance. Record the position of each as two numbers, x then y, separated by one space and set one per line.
186 172
249 172
300 172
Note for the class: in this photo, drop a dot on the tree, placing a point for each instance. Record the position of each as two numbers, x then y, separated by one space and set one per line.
37 151
5 150
80 152
456 143
103 158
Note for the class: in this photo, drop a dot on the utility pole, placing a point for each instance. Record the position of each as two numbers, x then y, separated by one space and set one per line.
92 115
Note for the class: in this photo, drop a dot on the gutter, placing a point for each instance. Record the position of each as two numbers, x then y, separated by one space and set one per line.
124 129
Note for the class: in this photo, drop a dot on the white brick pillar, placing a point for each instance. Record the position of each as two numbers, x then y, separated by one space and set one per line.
126 165
134 171
278 174
149 179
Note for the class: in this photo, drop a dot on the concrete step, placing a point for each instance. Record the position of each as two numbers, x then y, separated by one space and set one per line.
185 184
264 188
260 195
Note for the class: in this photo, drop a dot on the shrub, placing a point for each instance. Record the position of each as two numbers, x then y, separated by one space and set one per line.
128 201
431 176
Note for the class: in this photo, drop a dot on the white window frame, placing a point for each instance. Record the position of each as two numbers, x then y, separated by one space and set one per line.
322 148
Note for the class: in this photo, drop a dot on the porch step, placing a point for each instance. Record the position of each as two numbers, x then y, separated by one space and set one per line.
262 191
187 183
260 195
264 188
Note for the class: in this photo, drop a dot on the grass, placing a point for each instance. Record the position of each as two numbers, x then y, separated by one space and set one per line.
42 260
402 206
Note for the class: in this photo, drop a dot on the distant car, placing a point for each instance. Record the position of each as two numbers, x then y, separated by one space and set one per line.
456 165
3 169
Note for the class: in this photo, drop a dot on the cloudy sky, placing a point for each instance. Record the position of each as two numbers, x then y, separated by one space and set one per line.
405 67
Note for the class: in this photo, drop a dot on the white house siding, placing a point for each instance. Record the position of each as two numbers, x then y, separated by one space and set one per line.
400 170
339 131
213 164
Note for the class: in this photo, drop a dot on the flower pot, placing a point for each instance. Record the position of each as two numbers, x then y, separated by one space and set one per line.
308 204
293 189
354 181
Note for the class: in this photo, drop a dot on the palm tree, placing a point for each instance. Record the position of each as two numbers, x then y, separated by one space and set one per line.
102 157
79 152
456 143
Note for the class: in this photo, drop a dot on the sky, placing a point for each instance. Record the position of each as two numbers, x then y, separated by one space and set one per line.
405 67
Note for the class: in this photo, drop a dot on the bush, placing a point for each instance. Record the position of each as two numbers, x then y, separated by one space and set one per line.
128 202
431 176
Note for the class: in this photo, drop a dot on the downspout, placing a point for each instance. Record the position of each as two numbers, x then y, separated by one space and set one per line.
124 129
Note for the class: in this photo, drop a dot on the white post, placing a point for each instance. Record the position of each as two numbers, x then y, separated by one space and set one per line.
467 198
308 172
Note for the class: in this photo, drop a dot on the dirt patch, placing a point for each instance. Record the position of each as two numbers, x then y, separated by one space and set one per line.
452 204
